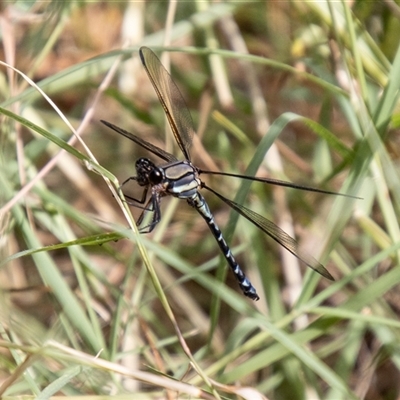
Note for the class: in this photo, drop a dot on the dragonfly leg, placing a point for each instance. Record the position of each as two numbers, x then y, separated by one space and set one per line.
153 205
133 201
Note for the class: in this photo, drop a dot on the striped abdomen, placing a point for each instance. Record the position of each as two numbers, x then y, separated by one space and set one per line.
198 202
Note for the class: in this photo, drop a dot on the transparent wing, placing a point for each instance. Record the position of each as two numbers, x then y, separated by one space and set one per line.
276 233
278 182
148 146
171 99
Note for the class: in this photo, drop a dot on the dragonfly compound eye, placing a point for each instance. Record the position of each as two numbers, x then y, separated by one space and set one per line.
155 176
144 164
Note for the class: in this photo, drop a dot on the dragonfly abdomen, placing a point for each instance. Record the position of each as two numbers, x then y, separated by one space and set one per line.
199 203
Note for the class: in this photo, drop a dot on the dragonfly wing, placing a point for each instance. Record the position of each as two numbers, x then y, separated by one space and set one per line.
278 182
148 146
277 234
171 99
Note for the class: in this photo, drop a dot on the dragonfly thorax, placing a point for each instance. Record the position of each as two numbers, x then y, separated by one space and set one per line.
182 179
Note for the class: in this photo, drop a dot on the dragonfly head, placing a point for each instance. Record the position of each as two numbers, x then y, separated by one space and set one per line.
148 173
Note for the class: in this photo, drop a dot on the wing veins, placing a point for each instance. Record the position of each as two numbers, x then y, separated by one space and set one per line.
275 233
278 182
148 146
171 99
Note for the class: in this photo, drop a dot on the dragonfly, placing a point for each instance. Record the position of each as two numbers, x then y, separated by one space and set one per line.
181 179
